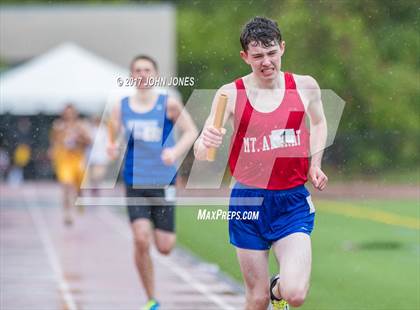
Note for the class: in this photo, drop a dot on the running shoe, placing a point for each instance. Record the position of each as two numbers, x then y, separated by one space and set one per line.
277 304
151 305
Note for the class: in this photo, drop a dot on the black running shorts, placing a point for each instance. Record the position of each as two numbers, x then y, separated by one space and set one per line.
151 204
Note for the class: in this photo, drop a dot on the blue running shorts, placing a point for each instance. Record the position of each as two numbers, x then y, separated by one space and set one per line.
281 213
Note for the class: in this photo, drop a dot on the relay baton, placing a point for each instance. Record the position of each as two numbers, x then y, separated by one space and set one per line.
217 123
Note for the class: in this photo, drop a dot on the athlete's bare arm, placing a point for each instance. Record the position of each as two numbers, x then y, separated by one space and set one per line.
115 117
53 137
114 127
210 136
182 120
84 137
54 133
311 93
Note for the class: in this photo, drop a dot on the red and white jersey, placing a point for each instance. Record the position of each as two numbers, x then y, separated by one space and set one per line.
270 149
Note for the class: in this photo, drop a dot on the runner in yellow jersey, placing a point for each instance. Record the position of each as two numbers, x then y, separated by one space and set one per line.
69 139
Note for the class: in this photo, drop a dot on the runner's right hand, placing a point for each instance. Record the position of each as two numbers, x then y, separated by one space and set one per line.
112 150
212 137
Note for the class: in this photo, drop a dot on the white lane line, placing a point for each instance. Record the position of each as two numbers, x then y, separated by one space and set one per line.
43 233
182 273
180 201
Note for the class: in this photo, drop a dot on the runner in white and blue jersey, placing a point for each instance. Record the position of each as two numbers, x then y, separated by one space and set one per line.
147 120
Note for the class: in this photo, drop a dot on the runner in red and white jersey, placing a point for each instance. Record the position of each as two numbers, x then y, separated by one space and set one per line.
270 149
269 158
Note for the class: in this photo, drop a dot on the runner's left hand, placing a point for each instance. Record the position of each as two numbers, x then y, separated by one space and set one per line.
317 177
168 156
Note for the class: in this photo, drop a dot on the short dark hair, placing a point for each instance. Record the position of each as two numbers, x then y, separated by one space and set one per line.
145 57
261 30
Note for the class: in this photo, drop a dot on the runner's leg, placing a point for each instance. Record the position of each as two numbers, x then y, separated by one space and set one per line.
165 241
295 257
254 268
142 232
163 218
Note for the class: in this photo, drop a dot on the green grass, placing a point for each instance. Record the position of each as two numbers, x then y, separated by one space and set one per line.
357 263
387 177
410 208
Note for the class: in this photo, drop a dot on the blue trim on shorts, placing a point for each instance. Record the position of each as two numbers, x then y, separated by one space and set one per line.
281 213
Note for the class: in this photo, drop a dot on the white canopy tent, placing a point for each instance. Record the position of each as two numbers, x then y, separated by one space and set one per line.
65 74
